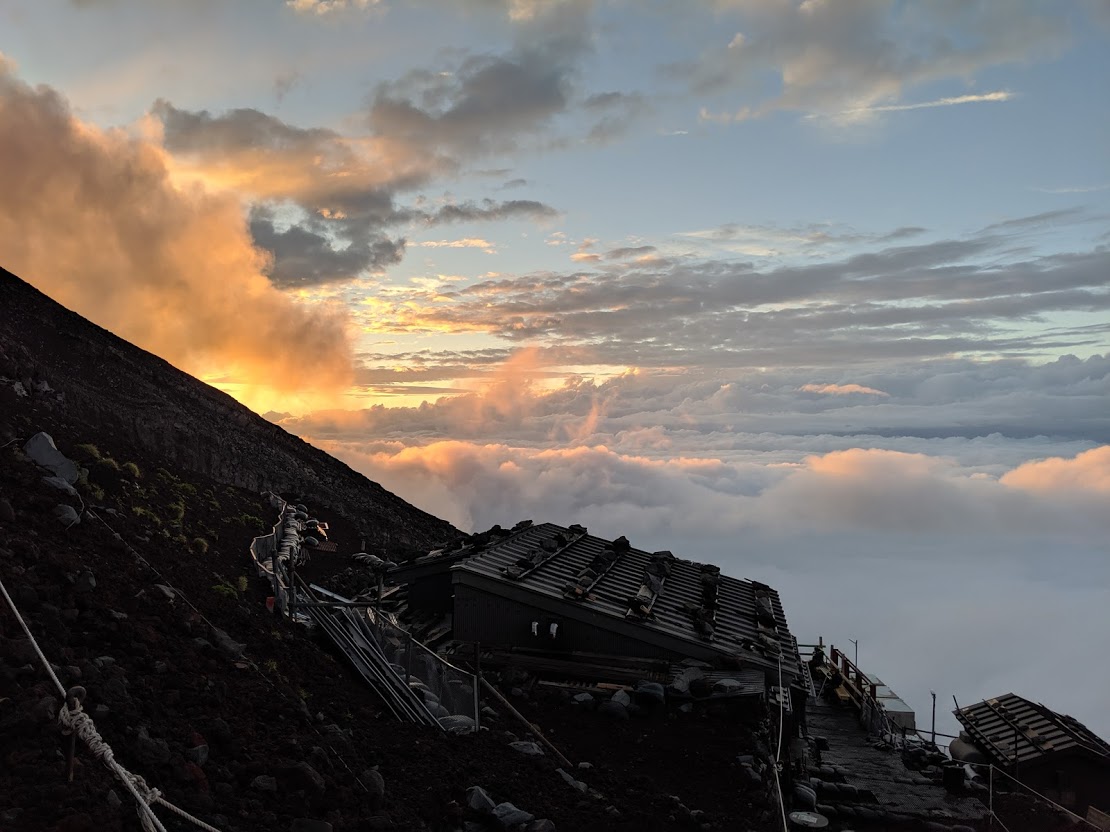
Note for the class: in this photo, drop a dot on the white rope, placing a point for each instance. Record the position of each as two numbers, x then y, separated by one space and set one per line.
31 638
778 754
75 721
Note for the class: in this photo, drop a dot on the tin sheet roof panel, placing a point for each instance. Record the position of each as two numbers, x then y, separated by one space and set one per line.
736 632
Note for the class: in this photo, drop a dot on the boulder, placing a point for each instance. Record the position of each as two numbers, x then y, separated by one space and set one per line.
60 484
43 451
479 800
509 815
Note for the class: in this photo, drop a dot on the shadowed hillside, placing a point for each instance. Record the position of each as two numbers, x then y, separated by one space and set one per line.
73 373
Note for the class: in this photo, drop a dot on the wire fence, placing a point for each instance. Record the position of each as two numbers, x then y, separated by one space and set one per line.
450 693
445 695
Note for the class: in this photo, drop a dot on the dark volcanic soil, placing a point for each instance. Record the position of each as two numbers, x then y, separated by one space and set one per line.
159 686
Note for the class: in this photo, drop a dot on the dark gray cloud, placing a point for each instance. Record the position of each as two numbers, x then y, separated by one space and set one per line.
304 256
346 190
926 300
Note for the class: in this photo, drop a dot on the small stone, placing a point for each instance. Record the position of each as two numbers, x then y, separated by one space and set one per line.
529 749
612 811
84 582
375 784
621 697
264 783
585 766
311 776
60 484
7 513
509 815
479 800
45 710
67 516
197 754
541 825
578 785
584 700
113 799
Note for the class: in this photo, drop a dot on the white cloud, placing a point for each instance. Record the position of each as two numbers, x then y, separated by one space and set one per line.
325 7
841 390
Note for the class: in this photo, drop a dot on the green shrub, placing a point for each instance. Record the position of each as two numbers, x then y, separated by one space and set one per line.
108 462
188 489
242 582
176 511
200 545
144 513
132 469
225 590
87 450
96 492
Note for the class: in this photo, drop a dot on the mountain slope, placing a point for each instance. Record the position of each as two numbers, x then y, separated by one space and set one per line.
140 400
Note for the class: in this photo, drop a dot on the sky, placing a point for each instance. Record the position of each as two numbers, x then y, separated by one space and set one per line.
816 291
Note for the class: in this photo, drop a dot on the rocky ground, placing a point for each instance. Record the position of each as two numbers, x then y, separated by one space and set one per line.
249 725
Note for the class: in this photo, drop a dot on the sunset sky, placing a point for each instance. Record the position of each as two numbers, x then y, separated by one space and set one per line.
814 290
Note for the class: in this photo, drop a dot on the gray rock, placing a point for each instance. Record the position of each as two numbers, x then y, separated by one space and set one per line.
585 766
7 513
529 749
479 800
621 697
309 825
46 709
490 713
375 784
509 815
541 825
227 644
577 785
197 754
66 515
437 710
311 776
85 582
457 724
42 450
585 700
264 783
60 484
113 799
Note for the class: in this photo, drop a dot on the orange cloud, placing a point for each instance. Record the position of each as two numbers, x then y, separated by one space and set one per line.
841 389
1088 472
92 218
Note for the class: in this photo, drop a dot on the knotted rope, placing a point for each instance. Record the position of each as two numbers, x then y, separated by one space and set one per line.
75 721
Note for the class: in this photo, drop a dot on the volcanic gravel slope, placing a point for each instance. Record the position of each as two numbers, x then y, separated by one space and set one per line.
135 400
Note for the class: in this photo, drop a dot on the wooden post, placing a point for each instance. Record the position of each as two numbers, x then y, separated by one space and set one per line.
534 729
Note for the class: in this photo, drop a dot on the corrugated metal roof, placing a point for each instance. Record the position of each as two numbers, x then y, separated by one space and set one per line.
1001 725
736 630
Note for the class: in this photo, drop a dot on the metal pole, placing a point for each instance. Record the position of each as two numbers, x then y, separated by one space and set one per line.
856 660
934 731
408 659
477 682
